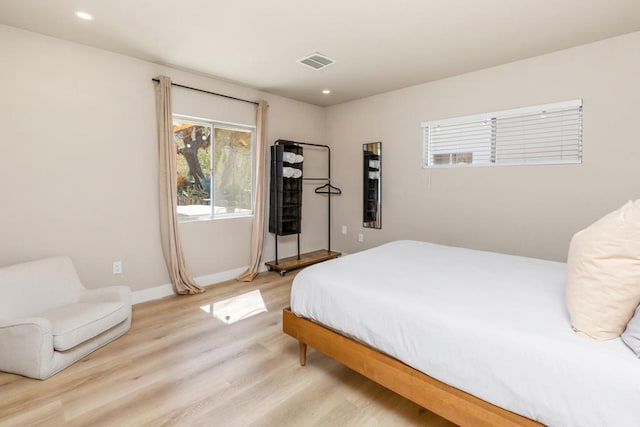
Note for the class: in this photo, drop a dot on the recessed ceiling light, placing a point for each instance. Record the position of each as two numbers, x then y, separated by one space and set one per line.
84 15
326 91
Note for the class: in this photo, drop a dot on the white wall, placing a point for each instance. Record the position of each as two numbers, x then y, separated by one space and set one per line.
79 170
526 210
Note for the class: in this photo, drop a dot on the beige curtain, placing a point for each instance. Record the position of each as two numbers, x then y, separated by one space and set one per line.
260 196
182 281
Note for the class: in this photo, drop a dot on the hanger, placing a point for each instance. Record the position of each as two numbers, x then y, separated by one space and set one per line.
328 189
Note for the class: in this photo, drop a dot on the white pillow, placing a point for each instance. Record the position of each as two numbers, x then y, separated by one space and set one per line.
603 274
631 335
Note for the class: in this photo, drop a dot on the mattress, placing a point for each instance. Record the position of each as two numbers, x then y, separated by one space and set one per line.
493 325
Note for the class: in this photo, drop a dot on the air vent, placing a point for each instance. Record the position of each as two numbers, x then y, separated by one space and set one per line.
316 61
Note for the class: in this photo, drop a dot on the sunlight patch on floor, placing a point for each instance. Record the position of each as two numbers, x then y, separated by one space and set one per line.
237 308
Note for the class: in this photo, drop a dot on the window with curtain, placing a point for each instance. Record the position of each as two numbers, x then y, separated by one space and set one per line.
215 168
542 134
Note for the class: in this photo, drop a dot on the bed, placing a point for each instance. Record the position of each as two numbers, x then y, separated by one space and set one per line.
477 337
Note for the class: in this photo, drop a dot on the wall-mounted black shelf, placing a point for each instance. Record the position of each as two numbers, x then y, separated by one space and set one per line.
285 207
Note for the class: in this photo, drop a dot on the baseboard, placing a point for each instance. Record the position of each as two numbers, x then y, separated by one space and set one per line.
162 291
151 294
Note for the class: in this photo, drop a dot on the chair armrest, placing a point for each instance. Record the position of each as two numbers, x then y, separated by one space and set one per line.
27 346
108 294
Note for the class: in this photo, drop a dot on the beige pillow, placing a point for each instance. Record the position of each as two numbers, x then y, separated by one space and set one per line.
603 274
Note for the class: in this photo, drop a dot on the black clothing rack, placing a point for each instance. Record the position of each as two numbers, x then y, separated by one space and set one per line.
327 189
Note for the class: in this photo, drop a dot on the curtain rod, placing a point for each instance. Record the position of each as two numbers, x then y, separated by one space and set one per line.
210 93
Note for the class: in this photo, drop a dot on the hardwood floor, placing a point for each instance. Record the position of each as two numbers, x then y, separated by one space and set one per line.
181 366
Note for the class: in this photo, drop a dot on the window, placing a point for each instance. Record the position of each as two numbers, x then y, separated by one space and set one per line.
544 134
215 168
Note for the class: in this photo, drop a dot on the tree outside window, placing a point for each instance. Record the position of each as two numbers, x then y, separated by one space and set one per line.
214 164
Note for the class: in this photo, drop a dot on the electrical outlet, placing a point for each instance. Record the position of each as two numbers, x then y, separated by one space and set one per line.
360 237
117 267
344 229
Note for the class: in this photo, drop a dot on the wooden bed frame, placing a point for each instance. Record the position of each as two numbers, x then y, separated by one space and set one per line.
455 405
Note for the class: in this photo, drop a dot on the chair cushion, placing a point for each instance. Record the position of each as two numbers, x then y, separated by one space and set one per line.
37 286
75 323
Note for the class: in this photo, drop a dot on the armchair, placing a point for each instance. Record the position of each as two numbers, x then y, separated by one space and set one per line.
49 320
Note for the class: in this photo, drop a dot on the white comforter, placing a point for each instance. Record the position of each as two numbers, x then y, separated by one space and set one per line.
490 324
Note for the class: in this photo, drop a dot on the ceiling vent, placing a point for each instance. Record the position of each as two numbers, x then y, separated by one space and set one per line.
316 61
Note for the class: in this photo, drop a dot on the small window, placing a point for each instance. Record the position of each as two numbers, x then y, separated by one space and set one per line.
544 134
215 167
452 158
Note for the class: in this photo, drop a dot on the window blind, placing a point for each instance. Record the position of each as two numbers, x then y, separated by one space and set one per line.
542 134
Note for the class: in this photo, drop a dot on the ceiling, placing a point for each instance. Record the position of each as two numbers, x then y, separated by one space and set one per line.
378 45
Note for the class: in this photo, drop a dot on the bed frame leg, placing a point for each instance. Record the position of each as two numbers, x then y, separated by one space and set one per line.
303 353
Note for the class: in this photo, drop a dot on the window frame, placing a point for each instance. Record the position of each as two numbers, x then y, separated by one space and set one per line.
213 124
493 145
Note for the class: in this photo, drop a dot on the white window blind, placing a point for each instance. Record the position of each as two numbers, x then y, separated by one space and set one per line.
543 134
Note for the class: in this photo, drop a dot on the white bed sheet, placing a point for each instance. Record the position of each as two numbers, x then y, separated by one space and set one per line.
493 325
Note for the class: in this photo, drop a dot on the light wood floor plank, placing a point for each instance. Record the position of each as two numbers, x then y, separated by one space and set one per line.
180 366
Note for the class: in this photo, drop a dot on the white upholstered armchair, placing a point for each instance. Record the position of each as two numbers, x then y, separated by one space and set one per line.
49 320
